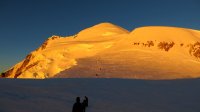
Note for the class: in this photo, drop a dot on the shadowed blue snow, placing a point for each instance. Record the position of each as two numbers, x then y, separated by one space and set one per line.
105 95
26 24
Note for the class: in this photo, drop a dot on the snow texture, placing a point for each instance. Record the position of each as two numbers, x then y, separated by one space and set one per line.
105 95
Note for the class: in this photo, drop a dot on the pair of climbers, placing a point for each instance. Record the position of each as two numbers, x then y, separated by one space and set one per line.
80 107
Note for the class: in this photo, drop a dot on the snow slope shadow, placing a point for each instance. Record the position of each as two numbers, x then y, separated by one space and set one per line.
106 95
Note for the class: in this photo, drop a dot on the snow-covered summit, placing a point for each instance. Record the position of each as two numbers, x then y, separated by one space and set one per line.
164 33
109 51
101 31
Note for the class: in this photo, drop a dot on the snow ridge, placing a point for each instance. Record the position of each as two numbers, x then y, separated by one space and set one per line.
109 51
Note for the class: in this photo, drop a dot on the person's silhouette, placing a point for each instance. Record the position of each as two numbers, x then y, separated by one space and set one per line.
85 103
77 107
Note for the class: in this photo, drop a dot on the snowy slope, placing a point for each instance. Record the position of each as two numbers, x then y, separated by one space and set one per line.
105 95
109 51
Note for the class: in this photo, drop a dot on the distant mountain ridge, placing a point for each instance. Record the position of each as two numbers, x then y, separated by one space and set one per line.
109 51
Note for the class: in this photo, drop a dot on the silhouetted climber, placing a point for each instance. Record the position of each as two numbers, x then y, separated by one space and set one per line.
77 107
85 103
86 100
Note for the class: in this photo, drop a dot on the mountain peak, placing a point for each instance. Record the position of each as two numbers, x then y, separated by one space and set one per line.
105 24
106 50
102 29
165 33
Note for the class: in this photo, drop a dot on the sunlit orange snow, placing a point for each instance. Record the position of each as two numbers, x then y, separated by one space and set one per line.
109 51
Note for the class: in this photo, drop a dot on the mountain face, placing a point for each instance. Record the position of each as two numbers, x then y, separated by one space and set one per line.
109 51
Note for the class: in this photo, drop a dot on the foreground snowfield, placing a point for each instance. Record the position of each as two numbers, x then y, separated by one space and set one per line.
105 95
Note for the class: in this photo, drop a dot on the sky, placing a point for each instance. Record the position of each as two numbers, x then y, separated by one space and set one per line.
26 24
